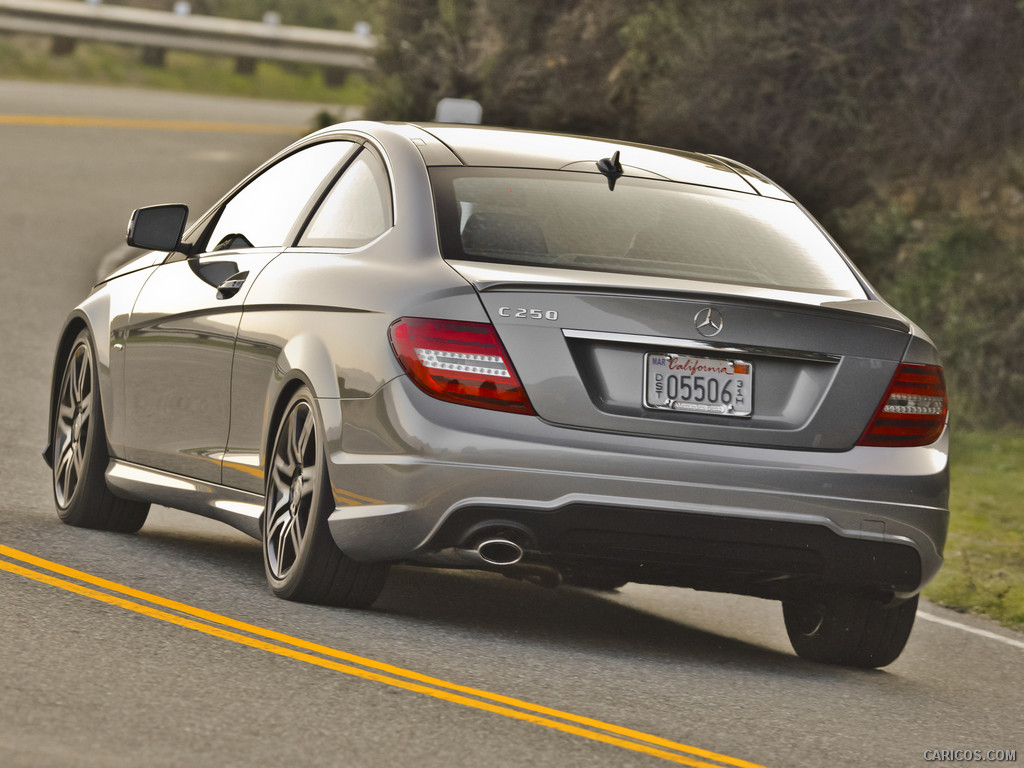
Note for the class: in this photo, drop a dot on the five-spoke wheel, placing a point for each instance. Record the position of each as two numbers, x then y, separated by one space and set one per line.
72 424
80 453
302 561
294 474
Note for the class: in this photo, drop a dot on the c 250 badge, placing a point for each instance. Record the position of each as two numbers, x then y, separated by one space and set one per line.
528 313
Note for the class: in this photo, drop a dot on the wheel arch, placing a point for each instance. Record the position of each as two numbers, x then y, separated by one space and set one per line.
290 384
304 361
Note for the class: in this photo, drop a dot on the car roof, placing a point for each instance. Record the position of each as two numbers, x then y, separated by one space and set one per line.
482 146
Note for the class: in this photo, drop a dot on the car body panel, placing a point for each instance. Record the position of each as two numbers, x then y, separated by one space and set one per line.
105 313
308 314
178 351
395 487
587 368
237 508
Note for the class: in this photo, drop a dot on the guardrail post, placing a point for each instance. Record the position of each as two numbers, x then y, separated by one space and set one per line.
152 56
62 46
245 65
335 76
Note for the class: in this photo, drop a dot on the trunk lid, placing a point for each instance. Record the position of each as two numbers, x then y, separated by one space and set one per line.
586 346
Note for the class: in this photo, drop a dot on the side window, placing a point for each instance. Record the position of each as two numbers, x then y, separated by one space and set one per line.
356 210
265 210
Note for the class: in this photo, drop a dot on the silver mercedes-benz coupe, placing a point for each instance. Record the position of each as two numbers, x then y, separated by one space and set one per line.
565 359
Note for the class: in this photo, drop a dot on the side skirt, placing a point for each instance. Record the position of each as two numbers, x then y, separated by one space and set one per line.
239 509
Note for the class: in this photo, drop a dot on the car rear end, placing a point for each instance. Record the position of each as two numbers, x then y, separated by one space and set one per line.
675 380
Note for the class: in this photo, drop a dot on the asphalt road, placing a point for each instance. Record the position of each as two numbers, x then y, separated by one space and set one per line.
165 648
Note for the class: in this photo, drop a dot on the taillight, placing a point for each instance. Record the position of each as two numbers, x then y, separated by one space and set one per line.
459 362
913 411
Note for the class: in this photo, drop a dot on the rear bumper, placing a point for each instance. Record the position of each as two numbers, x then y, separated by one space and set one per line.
413 476
742 555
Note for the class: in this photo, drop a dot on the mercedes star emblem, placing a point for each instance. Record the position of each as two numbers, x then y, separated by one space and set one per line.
709 322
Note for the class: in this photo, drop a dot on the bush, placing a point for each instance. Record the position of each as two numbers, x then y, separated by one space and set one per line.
830 99
966 288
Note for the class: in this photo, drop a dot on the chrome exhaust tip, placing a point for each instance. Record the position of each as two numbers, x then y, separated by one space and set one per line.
500 552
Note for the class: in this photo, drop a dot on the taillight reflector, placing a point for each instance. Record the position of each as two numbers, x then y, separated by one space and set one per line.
459 362
913 411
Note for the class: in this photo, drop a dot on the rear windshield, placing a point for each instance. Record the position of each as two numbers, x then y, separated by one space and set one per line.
644 227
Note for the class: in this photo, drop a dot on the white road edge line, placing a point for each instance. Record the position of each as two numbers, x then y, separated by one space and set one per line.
965 628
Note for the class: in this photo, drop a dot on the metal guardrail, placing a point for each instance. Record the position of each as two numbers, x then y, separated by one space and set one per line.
158 31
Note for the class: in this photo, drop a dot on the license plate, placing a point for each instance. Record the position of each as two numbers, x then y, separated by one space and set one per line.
699 385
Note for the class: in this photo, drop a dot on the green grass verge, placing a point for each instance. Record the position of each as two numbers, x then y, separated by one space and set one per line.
28 57
984 569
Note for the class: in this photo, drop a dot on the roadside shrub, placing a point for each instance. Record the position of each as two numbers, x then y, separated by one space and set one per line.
966 289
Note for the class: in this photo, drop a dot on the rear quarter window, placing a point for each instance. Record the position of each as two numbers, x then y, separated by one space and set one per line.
356 210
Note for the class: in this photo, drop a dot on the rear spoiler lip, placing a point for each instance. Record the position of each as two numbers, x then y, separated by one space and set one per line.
490 276
868 311
698 345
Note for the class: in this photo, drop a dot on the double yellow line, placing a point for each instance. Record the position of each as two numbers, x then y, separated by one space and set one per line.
112 593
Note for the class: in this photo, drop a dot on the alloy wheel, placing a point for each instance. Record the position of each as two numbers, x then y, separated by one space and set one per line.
295 477
73 423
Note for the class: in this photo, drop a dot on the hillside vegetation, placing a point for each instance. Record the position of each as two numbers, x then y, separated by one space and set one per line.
899 123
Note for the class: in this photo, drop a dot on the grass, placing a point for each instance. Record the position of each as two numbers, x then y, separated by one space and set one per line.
28 57
984 569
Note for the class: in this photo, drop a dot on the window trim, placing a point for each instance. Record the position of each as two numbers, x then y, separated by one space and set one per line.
300 232
209 222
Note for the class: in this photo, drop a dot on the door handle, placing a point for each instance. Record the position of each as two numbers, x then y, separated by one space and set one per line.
232 285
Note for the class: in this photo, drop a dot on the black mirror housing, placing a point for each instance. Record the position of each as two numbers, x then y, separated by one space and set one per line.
158 227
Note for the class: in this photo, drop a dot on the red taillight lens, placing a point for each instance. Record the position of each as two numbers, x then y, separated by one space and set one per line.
460 362
913 411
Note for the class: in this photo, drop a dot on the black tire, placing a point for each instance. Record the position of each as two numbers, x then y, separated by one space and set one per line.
301 560
849 631
80 454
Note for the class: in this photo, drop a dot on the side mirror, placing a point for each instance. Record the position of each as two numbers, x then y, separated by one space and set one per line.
158 228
